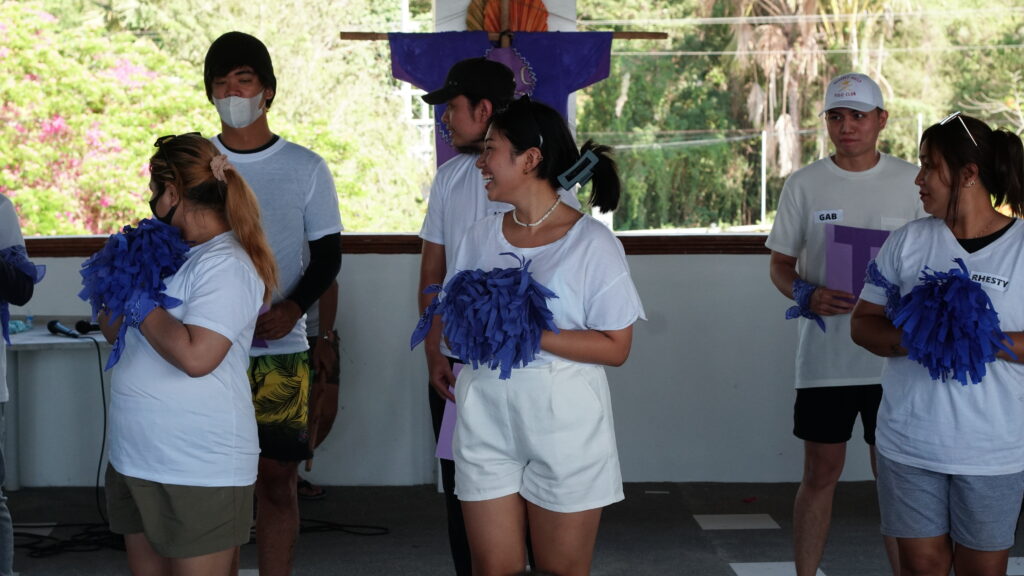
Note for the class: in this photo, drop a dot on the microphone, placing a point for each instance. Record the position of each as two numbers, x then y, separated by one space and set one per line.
84 327
55 327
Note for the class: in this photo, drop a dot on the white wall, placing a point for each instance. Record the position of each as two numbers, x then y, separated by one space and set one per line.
705 396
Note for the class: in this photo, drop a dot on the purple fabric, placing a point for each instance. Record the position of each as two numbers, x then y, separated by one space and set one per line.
557 63
17 257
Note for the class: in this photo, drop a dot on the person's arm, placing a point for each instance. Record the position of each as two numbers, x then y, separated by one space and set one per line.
433 269
824 301
194 350
323 356
324 265
1015 342
607 347
16 287
871 329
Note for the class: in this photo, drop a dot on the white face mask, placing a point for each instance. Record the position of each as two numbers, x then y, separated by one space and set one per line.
239 112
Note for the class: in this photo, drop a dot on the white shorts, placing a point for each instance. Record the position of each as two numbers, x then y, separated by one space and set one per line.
546 433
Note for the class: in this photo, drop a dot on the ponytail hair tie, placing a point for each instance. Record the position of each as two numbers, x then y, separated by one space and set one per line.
218 165
579 173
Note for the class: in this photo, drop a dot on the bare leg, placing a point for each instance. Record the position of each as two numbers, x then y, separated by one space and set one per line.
214 564
497 535
892 549
970 562
812 511
926 556
143 560
563 543
277 516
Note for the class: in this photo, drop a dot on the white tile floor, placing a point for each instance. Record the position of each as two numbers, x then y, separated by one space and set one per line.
736 522
766 569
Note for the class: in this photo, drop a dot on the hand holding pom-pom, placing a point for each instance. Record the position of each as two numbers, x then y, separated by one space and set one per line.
491 318
126 277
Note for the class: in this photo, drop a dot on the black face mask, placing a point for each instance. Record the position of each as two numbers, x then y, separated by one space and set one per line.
166 218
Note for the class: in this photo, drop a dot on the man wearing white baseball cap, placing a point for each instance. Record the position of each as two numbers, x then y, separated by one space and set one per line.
833 215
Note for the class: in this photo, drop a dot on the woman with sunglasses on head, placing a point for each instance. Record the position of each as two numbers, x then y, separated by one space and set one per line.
538 448
183 443
951 450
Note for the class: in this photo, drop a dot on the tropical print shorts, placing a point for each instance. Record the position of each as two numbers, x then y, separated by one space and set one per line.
280 391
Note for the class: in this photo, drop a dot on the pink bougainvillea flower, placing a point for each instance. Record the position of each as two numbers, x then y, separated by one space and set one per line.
55 126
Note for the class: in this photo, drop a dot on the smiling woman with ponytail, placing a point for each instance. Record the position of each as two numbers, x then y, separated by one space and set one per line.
183 441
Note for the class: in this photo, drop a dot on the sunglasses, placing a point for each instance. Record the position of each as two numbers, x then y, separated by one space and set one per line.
159 147
957 115
165 139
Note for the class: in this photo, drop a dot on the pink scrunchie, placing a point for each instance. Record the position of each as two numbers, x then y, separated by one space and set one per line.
218 165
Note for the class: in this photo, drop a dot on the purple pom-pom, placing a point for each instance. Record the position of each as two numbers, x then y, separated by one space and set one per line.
949 325
491 318
131 266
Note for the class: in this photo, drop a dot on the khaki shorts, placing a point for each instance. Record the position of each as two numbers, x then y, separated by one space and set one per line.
179 521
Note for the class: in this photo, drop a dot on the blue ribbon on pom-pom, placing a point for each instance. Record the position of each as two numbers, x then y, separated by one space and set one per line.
491 318
892 292
802 291
17 257
949 325
128 270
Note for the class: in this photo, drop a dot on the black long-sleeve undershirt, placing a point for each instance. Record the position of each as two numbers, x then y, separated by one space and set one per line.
324 265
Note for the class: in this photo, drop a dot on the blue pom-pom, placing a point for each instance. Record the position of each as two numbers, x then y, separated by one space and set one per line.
492 318
132 265
949 325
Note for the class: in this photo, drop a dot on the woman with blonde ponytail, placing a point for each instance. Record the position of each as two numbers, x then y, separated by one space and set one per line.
183 441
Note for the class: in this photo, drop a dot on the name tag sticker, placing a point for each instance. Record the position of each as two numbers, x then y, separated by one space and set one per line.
991 281
828 216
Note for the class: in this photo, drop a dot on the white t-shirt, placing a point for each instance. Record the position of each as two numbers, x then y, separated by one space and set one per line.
945 426
298 204
814 200
168 427
10 235
458 199
586 269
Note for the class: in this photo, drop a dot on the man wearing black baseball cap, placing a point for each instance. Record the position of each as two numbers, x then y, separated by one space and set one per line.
473 91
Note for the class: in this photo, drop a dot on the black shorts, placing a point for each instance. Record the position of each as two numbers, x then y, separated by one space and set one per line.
826 415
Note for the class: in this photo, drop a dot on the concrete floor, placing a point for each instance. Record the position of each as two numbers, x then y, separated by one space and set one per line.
701 529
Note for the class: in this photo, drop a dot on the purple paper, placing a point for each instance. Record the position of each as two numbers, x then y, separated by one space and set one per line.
847 253
444 437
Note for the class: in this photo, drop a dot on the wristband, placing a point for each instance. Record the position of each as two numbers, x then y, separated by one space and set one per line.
802 292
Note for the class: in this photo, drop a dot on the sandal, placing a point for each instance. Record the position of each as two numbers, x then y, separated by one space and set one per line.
310 491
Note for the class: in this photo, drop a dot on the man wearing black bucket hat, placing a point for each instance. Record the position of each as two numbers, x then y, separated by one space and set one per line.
473 91
299 210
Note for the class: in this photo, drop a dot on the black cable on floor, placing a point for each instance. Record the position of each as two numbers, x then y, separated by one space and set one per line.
91 538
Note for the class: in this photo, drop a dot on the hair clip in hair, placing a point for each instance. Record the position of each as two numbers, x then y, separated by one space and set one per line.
579 173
